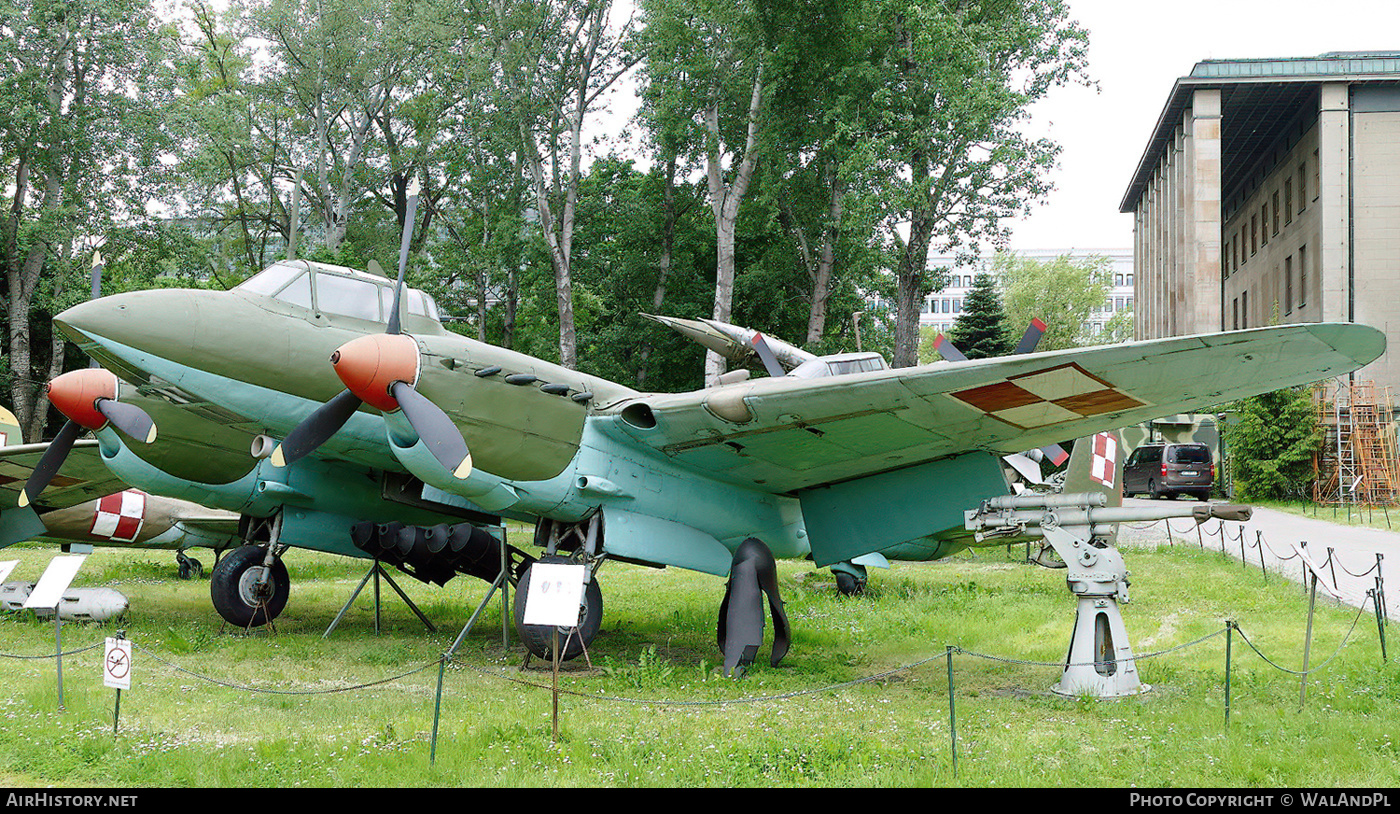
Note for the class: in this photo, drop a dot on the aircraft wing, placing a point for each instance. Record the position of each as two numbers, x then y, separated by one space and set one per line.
784 435
82 477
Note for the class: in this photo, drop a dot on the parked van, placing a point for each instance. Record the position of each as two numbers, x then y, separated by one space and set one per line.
1168 470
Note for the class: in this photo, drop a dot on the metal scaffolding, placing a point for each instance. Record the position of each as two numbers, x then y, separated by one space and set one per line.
1357 460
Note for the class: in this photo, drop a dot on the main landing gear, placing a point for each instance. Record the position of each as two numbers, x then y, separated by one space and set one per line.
250 585
582 542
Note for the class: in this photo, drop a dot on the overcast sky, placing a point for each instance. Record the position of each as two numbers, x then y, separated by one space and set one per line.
1136 51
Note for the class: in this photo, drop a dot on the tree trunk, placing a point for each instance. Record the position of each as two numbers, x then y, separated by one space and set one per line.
725 201
668 242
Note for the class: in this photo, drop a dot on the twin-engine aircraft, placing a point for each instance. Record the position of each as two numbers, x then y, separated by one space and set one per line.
374 431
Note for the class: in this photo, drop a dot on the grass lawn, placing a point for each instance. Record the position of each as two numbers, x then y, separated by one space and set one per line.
651 711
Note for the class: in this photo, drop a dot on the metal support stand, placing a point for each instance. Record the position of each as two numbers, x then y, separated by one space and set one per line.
1079 527
377 571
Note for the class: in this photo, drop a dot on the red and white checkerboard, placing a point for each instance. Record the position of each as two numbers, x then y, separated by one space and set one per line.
1056 394
119 517
1104 462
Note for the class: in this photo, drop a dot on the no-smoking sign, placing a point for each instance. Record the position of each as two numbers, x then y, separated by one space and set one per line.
116 665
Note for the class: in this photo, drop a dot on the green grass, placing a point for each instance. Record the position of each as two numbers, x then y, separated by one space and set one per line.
657 645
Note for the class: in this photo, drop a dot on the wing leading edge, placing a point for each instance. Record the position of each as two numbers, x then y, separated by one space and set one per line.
783 435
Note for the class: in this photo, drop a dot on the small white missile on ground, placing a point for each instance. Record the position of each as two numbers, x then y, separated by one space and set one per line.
78 604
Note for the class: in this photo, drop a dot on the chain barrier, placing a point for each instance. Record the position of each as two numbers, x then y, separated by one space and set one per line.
177 668
1311 670
92 646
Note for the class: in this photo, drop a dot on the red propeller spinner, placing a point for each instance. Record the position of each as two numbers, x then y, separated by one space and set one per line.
370 365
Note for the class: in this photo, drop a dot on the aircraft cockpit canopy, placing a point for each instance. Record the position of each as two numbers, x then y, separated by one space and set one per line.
839 364
336 290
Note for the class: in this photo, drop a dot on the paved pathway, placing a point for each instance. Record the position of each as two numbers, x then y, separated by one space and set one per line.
1273 535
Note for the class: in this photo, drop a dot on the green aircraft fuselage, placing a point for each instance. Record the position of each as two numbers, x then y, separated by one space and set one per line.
218 368
822 462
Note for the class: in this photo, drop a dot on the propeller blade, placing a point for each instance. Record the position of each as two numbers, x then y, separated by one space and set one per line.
49 464
436 430
1031 338
765 354
128 418
947 350
407 238
316 429
98 265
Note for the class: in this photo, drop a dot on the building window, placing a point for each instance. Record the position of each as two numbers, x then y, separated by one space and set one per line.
1244 309
1225 262
1302 276
957 306
1288 285
1264 224
1302 185
1130 279
1287 201
1235 312
1275 200
1253 234
1317 175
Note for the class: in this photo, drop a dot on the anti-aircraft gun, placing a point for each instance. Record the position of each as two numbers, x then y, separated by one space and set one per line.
1080 528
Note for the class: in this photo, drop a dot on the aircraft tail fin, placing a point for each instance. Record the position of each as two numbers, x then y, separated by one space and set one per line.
10 435
1096 465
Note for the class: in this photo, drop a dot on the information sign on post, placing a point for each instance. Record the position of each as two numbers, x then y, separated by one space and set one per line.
116 665
48 594
555 591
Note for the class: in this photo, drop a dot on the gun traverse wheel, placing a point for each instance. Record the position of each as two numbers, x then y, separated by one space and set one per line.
245 592
538 639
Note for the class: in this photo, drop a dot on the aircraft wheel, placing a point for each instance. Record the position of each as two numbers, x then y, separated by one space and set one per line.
189 567
539 638
244 592
849 584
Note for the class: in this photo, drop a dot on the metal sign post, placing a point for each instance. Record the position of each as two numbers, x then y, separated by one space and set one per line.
116 670
555 592
49 594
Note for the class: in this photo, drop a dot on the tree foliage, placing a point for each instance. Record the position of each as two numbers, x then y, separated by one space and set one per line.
799 160
980 332
1062 292
1271 443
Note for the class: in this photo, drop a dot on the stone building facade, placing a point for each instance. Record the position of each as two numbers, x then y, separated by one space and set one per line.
1270 191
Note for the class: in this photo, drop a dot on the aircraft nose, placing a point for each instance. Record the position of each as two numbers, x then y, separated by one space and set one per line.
136 319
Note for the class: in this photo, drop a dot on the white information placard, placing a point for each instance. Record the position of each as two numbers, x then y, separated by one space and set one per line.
49 592
556 589
116 665
6 567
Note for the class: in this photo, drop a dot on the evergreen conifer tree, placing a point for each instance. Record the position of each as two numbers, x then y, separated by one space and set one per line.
980 331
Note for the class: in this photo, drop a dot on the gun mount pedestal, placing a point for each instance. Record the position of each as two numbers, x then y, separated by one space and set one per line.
1079 527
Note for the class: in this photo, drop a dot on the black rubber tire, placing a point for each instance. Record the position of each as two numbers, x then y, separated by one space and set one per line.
849 584
1152 491
190 568
538 639
228 588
